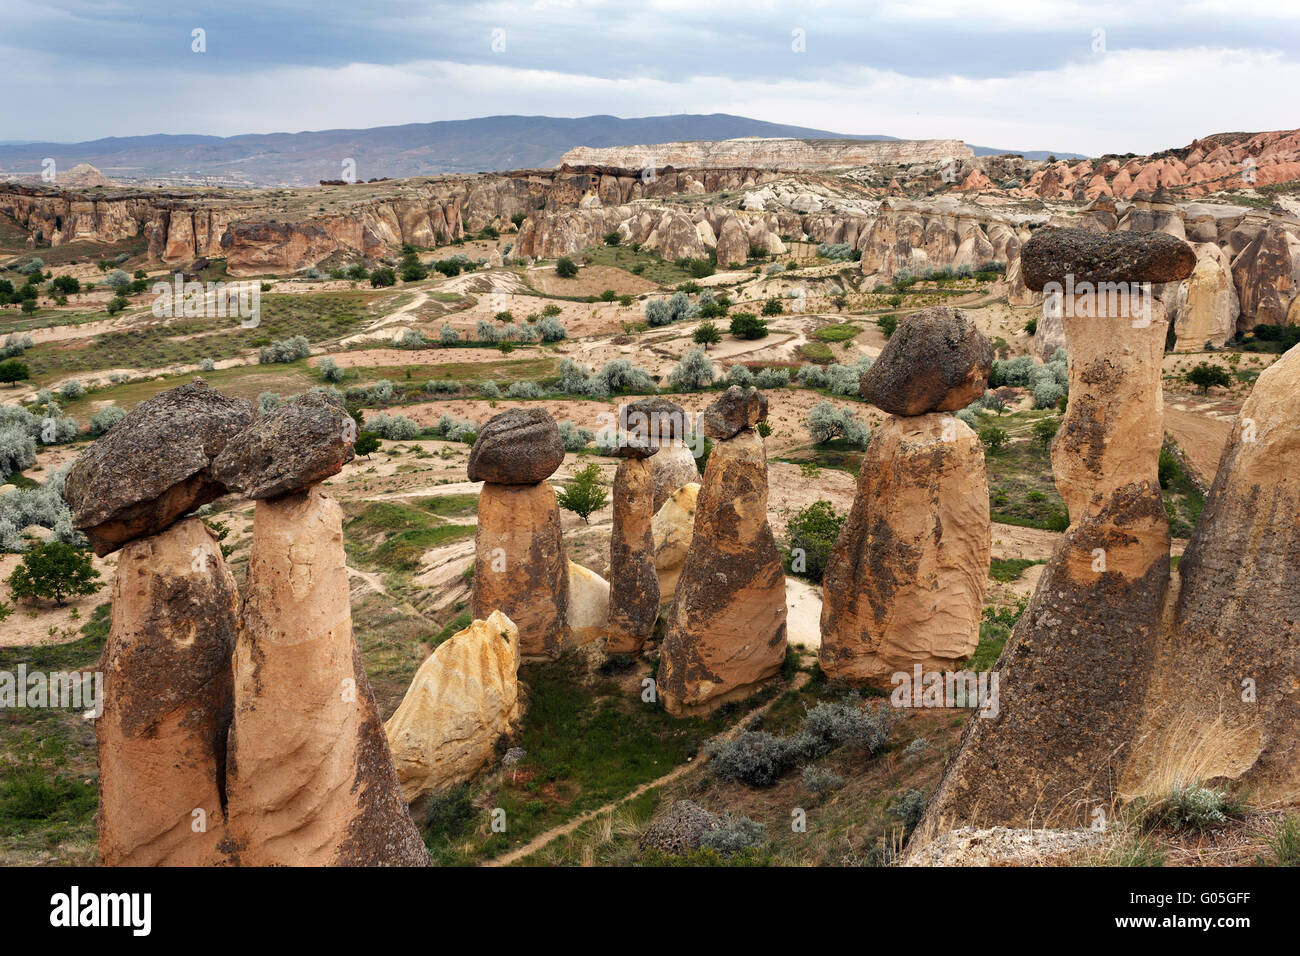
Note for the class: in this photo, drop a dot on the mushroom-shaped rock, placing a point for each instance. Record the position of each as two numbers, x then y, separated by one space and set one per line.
288 449
518 447
937 360
1052 255
154 465
735 410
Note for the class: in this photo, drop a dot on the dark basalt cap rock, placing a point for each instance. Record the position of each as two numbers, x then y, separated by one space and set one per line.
736 410
288 449
655 418
153 467
937 360
518 447
1052 254
635 446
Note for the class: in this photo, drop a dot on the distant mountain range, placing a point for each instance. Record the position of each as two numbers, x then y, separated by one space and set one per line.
415 149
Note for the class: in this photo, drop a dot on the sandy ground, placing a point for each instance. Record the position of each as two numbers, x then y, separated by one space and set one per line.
1201 427
45 623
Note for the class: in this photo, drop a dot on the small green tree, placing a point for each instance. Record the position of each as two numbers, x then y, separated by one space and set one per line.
383 277
746 325
1045 430
53 570
14 371
367 444
812 533
1206 376
565 268
993 437
585 494
706 334
612 238
887 324
772 306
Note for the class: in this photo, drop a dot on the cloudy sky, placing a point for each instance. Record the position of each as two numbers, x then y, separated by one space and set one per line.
1086 77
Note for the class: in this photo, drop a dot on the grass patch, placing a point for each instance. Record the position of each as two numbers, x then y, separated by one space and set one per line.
842 332
1009 569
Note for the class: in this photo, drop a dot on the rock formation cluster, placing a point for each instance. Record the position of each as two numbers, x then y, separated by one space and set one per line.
904 584
233 734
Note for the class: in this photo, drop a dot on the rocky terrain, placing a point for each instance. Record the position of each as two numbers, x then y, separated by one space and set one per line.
579 516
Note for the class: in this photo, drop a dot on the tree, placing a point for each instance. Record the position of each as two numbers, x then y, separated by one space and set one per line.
612 238
825 422
565 268
772 306
887 324
746 325
14 371
1045 430
812 533
706 334
68 285
116 304
1206 376
53 570
993 437
382 277
693 372
414 271
585 494
367 444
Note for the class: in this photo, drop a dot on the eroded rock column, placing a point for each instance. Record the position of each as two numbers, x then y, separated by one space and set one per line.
1074 673
726 628
905 581
633 580
1224 703
167 702
519 563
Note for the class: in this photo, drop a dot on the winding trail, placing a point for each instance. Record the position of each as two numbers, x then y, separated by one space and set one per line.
543 839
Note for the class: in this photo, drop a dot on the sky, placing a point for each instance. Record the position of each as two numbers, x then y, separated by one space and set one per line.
1085 77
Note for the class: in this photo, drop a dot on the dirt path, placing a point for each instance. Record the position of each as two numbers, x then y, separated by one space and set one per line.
543 839
1201 428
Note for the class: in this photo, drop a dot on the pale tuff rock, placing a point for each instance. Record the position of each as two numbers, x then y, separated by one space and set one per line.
519 565
672 468
167 702
936 361
726 627
588 610
1225 700
672 527
905 582
311 780
154 465
1002 846
518 447
1074 673
771 152
634 583
463 699
289 448
1049 333
1204 308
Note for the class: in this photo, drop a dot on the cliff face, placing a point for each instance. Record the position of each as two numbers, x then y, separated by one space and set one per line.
780 153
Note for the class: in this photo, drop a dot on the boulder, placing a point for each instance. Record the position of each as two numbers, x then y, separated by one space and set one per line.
672 527
519 565
311 780
154 465
726 628
588 610
463 699
657 419
167 702
518 447
1074 672
1224 703
1052 254
680 830
291 447
735 410
634 583
937 360
905 581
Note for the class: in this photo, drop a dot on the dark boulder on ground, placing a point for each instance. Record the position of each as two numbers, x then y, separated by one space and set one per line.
937 360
